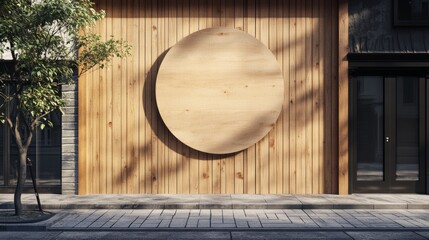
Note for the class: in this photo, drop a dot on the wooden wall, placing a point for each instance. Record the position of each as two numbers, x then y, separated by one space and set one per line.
124 146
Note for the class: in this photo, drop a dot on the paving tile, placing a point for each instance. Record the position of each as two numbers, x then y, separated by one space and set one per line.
151 222
203 223
181 223
181 213
216 219
192 223
257 218
223 225
165 223
242 224
254 224
125 221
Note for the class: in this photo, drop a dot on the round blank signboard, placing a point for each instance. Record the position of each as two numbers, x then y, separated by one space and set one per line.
219 90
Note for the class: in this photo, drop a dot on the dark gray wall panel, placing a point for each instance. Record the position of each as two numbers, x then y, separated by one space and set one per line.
371 30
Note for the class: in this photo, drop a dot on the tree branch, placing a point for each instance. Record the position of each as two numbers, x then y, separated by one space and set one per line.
29 138
12 51
17 134
9 122
34 122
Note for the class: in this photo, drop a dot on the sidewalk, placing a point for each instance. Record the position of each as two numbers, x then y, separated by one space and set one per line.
227 201
100 220
232 213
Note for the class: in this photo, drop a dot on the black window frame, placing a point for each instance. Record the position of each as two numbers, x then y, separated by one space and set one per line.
406 23
390 64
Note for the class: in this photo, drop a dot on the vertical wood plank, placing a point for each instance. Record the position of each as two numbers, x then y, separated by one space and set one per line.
217 162
143 138
172 142
96 120
210 157
328 94
316 101
103 113
230 159
123 97
293 101
223 158
179 156
334 87
251 152
91 119
258 144
194 161
265 142
343 122
299 118
301 98
286 106
272 161
308 98
116 105
148 147
179 160
279 125
163 140
109 106
239 157
186 188
322 80
203 161
133 99
154 119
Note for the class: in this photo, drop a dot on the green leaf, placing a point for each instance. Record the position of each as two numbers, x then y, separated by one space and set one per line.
42 126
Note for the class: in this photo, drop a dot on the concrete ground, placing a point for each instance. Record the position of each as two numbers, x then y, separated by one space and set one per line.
222 201
380 216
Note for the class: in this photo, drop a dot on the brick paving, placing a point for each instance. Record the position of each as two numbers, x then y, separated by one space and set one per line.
82 219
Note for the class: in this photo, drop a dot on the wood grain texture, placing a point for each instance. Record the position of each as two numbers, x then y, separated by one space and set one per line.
219 90
343 88
124 146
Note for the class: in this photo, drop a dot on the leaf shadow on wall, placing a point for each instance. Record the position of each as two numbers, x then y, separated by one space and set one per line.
161 154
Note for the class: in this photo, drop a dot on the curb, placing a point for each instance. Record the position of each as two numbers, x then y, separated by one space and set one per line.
20 228
220 206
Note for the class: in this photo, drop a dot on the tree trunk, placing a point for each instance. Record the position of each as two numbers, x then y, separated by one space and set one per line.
22 175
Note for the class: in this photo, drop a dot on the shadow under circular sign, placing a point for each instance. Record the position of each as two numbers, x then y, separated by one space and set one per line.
219 90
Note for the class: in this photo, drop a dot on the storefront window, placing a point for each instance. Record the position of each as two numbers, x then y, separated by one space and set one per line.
44 152
411 12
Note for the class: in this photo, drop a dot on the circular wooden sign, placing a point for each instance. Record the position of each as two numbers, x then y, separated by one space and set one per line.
219 90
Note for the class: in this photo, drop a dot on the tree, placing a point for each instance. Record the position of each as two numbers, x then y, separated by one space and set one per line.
48 40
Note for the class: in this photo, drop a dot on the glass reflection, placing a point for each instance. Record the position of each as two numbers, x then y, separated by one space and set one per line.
370 125
407 129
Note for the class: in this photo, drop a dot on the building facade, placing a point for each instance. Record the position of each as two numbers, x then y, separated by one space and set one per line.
354 115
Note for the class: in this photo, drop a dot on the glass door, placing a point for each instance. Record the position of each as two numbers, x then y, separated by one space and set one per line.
387 134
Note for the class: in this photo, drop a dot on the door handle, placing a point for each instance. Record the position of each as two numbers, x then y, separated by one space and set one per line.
387 139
